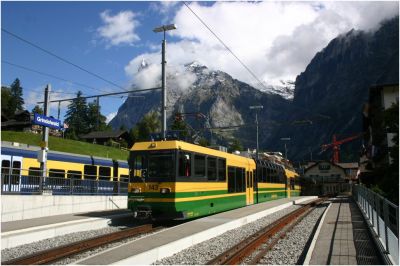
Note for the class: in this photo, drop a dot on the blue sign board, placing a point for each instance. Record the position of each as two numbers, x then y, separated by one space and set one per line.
47 121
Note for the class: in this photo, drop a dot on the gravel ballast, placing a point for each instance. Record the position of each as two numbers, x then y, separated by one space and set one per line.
203 252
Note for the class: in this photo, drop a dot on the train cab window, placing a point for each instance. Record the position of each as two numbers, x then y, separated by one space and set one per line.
199 165
212 168
231 180
221 170
104 173
184 168
90 172
74 174
138 162
57 173
160 166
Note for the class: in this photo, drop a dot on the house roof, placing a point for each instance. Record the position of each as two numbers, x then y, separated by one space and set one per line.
104 134
348 165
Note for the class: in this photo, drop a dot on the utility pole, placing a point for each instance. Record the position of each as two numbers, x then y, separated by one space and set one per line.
45 134
98 112
256 107
163 29
285 139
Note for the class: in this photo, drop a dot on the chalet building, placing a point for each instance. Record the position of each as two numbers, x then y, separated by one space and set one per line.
102 137
325 177
377 140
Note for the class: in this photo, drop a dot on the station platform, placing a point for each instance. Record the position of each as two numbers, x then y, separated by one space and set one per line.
165 243
343 238
21 232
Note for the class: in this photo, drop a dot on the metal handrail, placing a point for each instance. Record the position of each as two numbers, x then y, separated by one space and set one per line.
383 217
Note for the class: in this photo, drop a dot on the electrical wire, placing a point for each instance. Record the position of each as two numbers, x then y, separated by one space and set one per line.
61 58
226 46
52 76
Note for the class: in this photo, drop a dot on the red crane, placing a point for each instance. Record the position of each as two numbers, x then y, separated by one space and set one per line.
335 145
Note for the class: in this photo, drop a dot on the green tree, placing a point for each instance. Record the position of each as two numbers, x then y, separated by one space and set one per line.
17 101
93 115
5 102
235 145
77 117
150 123
37 109
181 126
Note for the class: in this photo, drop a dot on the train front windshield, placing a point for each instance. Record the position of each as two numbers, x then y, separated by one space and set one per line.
153 166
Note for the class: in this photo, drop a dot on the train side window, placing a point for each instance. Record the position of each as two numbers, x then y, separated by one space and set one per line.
212 168
58 173
231 180
184 168
74 174
5 170
34 175
90 172
104 173
16 168
240 182
199 165
264 175
221 170
124 178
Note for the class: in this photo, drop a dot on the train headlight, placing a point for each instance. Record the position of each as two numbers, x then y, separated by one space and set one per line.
165 190
136 190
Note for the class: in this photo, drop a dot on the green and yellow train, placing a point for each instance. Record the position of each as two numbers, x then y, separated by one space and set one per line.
178 180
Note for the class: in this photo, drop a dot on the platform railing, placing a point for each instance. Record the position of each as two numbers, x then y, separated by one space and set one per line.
37 185
383 217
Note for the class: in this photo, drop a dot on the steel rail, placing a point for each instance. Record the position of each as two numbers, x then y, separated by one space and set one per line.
243 249
51 255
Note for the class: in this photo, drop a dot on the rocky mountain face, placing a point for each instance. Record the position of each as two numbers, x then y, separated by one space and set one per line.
334 87
328 96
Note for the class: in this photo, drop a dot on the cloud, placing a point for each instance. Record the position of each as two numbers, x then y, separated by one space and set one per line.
118 29
276 40
110 116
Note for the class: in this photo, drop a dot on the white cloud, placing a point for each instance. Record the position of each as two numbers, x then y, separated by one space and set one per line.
276 40
110 116
118 29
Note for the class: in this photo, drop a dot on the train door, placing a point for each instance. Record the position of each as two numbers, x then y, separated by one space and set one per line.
249 188
11 173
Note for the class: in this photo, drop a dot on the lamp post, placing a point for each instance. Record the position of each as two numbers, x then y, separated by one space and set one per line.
256 107
285 139
163 29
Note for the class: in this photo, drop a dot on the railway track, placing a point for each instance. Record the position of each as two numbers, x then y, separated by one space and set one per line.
54 254
254 248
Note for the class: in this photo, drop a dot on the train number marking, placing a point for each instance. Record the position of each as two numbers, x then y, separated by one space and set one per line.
153 187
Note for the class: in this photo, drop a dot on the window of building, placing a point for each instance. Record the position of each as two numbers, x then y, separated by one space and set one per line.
104 173
199 165
212 168
90 172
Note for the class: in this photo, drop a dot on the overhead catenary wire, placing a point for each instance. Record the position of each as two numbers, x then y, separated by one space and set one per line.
61 58
53 76
226 46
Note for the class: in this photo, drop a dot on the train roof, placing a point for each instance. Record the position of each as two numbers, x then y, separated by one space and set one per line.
30 151
181 145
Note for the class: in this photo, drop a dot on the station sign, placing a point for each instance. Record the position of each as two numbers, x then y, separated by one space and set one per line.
46 121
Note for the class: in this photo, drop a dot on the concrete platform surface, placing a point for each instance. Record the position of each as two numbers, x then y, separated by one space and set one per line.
27 231
343 238
165 243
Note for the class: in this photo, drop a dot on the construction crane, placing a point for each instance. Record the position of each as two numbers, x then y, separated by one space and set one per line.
335 145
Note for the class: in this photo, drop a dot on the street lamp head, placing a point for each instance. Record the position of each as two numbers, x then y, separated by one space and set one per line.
165 28
256 107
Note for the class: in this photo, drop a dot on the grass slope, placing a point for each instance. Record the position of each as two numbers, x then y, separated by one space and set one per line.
66 145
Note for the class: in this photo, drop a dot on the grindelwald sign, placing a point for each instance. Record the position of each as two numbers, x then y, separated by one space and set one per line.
47 121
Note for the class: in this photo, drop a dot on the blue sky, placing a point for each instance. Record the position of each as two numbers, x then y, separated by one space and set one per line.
276 40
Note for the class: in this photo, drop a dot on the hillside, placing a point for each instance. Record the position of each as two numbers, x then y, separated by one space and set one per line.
66 145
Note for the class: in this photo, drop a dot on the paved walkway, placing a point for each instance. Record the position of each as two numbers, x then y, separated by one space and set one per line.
344 238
